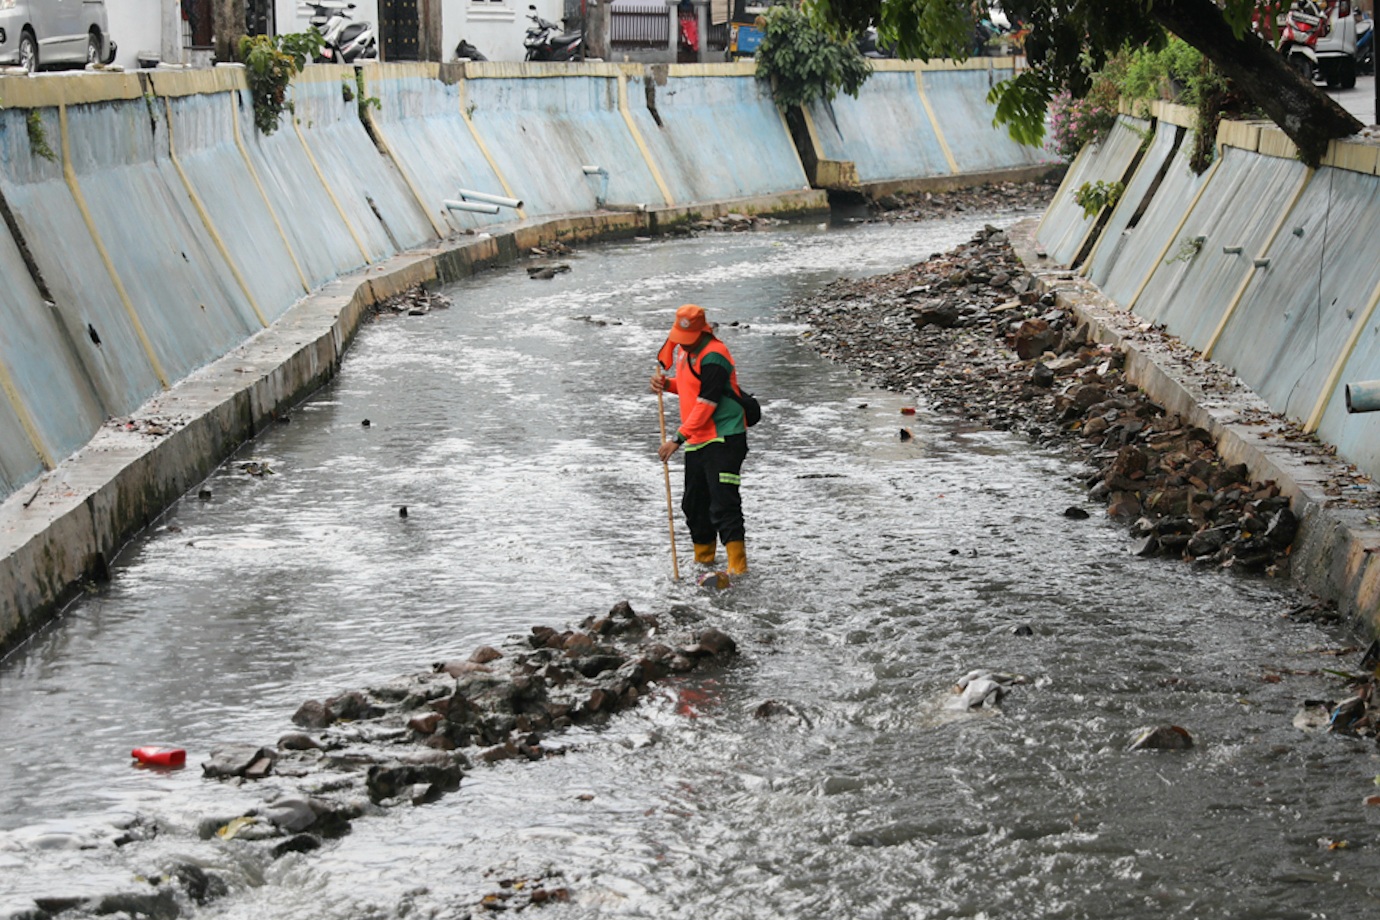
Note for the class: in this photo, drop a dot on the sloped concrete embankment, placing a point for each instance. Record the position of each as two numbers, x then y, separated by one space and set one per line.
1267 268
174 279
924 126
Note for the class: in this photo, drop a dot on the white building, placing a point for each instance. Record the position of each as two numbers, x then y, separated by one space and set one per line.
173 30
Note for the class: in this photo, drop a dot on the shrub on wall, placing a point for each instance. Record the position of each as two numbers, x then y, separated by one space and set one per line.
270 62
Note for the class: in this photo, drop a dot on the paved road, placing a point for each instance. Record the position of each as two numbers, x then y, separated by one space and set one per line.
1359 101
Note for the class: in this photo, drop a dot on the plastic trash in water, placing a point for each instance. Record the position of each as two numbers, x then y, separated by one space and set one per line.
159 756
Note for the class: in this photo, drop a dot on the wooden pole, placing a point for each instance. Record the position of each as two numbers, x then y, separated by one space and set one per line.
666 473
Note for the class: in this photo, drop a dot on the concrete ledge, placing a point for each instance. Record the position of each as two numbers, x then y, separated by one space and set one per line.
1275 143
1354 155
60 532
949 183
895 65
1333 555
1174 114
1244 135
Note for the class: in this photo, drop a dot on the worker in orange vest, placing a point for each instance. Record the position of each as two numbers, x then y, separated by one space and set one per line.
713 430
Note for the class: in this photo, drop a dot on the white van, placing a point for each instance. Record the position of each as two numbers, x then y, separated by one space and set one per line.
41 33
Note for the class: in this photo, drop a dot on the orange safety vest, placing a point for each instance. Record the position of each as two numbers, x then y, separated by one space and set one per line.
697 417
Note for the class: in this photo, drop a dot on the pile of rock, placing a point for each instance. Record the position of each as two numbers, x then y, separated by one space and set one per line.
733 223
948 327
406 740
993 198
415 301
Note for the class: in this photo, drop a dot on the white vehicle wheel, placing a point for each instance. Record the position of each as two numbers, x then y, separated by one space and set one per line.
28 51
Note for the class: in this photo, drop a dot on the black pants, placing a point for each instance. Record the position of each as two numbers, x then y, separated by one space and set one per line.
711 503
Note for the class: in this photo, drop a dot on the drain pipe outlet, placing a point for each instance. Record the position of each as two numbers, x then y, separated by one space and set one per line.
485 197
454 205
603 173
1363 396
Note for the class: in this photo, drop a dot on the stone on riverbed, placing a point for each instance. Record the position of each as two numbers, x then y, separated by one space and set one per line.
1161 738
239 760
405 741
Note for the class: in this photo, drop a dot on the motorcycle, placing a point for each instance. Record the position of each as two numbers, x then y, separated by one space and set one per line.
1321 41
869 47
345 39
546 42
1365 43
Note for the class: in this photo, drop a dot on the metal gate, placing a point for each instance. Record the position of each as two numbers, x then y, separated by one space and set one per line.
399 29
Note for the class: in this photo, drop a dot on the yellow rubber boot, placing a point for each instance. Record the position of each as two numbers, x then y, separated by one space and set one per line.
705 552
737 557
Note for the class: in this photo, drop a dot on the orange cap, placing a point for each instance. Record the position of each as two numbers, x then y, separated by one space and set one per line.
690 325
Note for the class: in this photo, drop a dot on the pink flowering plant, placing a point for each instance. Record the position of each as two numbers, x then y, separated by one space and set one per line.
1074 123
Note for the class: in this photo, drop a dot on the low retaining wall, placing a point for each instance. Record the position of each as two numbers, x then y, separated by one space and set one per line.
1267 267
166 262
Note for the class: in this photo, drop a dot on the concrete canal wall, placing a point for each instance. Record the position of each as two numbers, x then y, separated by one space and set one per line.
174 279
1268 268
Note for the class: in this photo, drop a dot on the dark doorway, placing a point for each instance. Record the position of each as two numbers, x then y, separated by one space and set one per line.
198 32
399 30
259 17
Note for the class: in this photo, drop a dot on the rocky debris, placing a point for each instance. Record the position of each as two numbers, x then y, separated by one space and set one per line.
727 224
596 320
410 740
731 223
1005 356
993 198
546 272
415 301
256 468
159 903
155 426
239 760
1358 713
553 248
1161 738
521 893
201 886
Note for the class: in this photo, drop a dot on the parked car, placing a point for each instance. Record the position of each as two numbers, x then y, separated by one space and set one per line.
41 33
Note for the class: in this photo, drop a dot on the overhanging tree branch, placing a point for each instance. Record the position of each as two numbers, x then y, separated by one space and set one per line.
1070 38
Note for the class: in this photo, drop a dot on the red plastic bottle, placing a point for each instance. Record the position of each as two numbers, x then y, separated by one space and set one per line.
160 756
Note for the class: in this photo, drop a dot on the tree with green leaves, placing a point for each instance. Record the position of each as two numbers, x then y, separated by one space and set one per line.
1069 40
805 64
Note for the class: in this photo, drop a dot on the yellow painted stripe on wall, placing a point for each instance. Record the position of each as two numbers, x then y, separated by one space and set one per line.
1174 237
71 176
330 193
934 123
484 148
263 193
26 421
207 221
640 141
430 212
1246 281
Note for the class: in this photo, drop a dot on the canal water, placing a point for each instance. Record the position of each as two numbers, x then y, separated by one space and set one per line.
517 429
